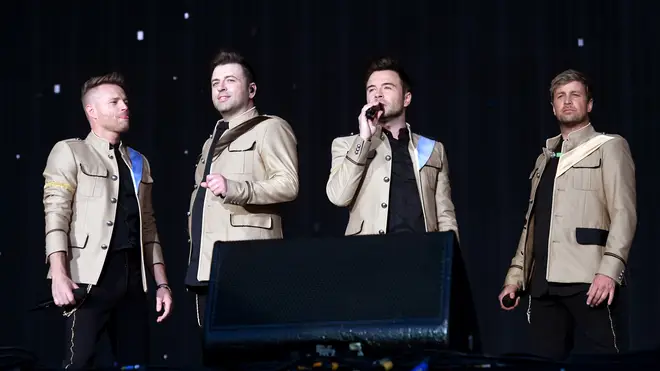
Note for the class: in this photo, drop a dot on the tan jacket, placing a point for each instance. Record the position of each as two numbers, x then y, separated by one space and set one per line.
80 203
594 213
261 168
360 176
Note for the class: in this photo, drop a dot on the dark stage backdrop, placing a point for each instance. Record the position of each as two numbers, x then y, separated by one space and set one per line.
481 71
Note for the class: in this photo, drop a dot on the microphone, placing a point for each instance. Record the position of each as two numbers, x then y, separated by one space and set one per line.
508 302
370 114
78 295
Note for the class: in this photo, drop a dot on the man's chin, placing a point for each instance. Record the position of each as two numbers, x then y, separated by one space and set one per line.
571 120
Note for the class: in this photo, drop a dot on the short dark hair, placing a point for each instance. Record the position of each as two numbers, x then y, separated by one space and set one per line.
112 78
226 56
569 76
389 64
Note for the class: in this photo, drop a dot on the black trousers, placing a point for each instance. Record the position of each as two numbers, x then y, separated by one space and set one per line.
554 320
118 305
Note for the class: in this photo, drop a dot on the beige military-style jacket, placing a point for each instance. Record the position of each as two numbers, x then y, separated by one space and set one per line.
593 216
80 202
261 168
360 180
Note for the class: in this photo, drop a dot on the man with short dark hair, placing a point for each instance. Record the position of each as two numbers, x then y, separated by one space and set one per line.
247 168
392 179
101 233
578 230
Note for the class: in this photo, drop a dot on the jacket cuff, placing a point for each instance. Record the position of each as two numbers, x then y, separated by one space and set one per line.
514 277
613 267
358 151
238 193
57 240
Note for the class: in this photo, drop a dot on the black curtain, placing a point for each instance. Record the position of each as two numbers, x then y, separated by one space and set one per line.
481 73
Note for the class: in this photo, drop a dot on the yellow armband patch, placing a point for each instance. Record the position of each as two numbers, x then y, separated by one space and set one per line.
65 186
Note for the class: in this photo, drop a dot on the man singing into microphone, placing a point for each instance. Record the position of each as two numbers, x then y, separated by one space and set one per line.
101 233
247 168
578 230
392 179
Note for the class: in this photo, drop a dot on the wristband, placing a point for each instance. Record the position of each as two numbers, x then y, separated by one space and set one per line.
165 286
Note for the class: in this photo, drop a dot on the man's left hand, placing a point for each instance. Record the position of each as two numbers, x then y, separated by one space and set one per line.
164 302
601 288
216 183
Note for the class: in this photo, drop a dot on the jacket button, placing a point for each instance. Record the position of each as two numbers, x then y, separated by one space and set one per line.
388 157
188 213
111 157
386 179
109 223
114 177
195 186
113 200
381 232
202 160
104 247
383 205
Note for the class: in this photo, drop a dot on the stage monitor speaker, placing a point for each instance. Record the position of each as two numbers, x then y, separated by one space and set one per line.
269 299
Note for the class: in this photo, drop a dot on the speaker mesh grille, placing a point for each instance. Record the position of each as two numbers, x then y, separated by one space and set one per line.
278 282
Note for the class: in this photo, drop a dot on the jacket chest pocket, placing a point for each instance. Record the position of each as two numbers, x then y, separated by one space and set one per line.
430 172
91 180
586 174
240 156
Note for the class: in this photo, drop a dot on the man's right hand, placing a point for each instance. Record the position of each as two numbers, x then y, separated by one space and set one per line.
62 288
368 127
509 290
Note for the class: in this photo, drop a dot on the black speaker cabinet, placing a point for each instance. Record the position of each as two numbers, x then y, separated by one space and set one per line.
371 294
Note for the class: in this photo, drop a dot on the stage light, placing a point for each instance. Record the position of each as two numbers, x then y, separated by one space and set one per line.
185 152
186 16
580 42
18 156
56 88
140 35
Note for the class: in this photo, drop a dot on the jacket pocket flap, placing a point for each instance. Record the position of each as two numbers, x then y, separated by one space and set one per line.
78 240
147 179
354 228
251 220
92 170
242 144
591 236
435 162
589 162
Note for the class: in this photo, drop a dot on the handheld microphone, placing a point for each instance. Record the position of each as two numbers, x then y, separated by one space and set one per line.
78 295
508 302
370 114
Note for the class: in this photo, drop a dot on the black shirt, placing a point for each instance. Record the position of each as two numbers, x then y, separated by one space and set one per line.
198 212
542 214
405 207
126 231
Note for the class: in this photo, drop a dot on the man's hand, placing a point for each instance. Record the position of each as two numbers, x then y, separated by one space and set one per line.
164 302
367 127
62 289
216 183
509 290
601 288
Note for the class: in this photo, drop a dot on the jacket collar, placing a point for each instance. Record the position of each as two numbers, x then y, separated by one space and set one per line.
250 113
573 140
101 144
